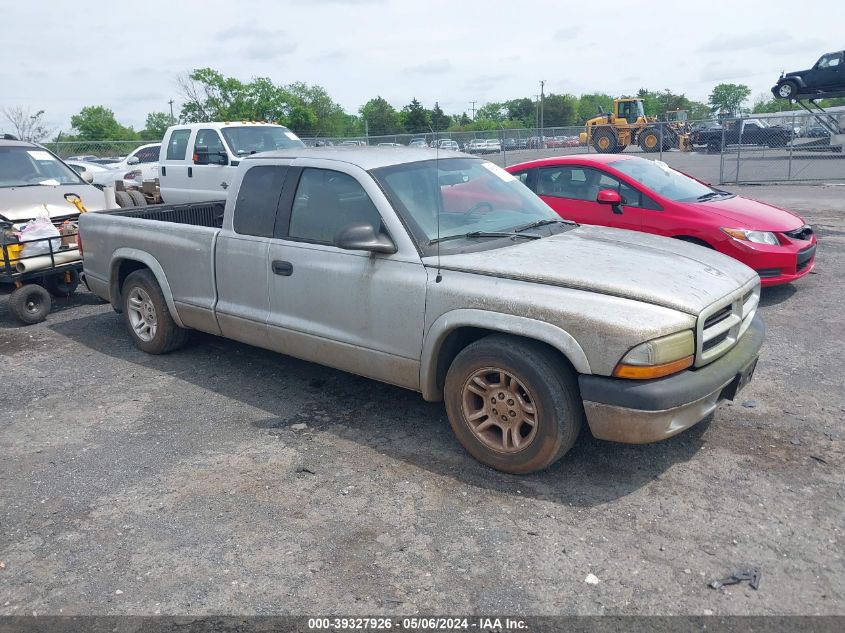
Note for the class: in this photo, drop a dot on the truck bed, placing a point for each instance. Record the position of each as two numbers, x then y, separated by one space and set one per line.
208 214
176 242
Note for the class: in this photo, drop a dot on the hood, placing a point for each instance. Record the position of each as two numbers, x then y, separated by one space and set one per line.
745 213
19 204
796 73
638 266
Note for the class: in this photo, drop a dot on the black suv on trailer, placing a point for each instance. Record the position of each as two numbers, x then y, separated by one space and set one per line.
827 75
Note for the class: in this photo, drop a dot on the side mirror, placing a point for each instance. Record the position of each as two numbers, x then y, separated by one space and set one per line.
363 237
611 197
87 176
133 160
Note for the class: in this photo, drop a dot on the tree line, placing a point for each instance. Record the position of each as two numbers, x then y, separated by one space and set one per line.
309 110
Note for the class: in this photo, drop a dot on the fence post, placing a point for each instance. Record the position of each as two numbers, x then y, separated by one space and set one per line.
660 134
738 146
791 146
722 157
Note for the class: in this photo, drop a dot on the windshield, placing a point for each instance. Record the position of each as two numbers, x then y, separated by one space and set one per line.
662 179
466 194
22 166
251 139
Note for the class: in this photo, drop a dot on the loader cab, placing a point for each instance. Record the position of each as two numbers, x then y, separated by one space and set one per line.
631 110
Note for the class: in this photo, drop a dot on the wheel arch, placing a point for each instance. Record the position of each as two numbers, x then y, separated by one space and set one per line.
693 240
453 331
124 262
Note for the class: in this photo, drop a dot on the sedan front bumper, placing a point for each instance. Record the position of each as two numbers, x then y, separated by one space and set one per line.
641 411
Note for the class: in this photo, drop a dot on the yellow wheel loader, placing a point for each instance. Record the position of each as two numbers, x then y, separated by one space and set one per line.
612 132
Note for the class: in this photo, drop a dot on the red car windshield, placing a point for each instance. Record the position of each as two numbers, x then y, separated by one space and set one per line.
662 179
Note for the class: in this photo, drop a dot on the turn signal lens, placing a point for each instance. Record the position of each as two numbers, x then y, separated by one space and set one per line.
659 357
644 372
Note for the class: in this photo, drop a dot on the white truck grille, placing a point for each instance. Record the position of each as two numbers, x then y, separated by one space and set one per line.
722 324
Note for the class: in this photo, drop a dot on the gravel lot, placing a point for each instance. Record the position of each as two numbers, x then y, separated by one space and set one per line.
136 484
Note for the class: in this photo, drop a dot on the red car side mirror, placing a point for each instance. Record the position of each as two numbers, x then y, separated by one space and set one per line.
611 197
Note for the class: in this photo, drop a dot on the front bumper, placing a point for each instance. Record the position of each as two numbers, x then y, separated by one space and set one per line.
641 411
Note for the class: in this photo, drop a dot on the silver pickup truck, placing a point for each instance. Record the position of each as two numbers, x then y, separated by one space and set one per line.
441 273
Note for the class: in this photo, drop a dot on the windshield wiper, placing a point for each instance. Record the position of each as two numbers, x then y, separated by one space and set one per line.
534 225
477 234
714 194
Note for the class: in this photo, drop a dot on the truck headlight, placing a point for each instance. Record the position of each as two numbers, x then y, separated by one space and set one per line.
759 237
658 357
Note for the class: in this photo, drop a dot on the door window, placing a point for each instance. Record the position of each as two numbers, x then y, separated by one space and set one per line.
177 147
258 200
148 154
325 202
210 140
830 61
584 183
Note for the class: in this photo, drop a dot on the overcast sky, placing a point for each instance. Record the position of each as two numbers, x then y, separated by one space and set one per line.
127 55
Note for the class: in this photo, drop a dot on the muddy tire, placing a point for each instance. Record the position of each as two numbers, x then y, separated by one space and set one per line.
61 287
650 140
138 199
605 141
513 404
123 199
147 317
30 304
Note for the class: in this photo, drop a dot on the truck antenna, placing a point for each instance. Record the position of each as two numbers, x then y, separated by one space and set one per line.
439 276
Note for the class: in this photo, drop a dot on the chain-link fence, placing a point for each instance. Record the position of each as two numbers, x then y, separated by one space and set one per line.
794 146
95 151
782 147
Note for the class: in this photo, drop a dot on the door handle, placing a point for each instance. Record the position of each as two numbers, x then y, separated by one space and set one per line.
285 269
190 172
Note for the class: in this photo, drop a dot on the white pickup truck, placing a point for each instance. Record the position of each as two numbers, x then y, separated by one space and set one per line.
199 160
441 273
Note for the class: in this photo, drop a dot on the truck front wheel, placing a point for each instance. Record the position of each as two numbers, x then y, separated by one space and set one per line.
512 404
147 317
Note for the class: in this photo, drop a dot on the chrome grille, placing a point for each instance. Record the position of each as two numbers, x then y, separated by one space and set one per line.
722 324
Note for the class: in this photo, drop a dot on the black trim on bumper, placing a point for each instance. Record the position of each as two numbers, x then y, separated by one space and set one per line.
679 389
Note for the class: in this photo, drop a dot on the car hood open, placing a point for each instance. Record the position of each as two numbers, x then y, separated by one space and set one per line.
19 204
638 266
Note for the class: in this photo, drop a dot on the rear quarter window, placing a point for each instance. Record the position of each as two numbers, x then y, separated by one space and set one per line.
258 200
177 146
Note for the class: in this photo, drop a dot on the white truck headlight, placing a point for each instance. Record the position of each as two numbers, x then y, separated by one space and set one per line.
658 357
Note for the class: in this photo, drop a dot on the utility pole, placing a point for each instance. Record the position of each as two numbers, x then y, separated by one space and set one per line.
542 99
473 109
172 120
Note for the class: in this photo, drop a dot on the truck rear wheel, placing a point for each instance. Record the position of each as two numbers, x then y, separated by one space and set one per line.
605 142
138 199
147 317
30 304
123 199
512 404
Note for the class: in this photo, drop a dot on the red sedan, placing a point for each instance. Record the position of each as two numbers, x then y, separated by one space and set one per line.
629 192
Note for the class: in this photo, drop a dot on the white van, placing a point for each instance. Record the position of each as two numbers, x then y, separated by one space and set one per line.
198 160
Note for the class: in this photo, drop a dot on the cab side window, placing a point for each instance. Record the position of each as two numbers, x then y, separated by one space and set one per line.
325 202
148 154
177 146
258 200
210 140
